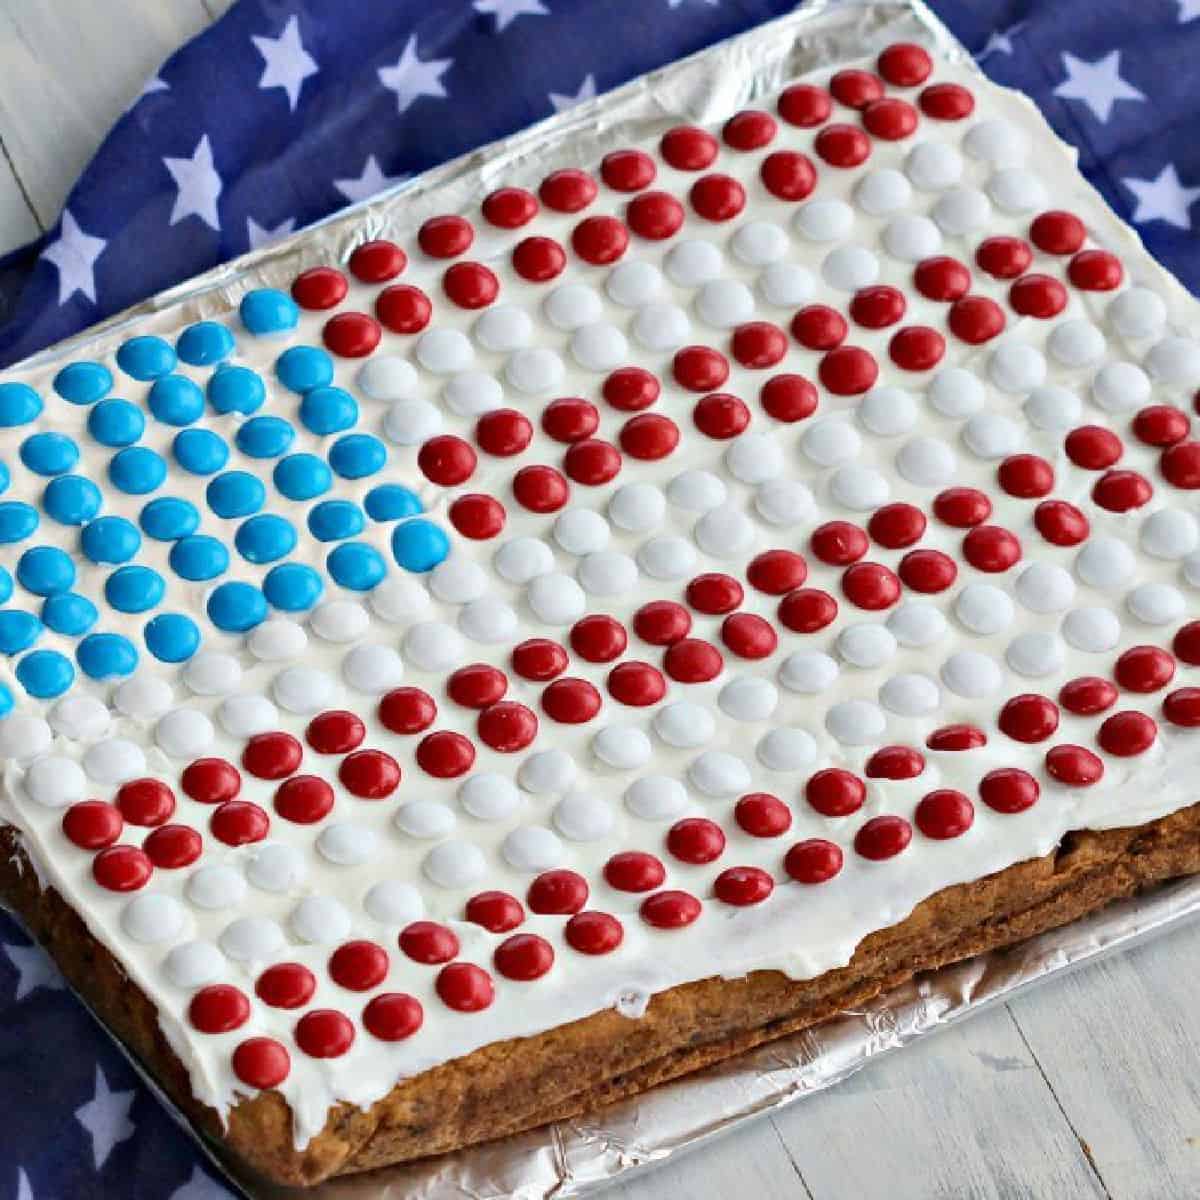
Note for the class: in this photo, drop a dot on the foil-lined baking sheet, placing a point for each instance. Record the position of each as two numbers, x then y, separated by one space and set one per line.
574 1157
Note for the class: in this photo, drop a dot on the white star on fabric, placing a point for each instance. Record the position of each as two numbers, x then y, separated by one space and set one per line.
1000 41
1099 85
1163 199
200 1187
288 63
74 254
412 77
587 91
199 186
371 181
34 967
152 85
259 235
1189 10
24 1188
507 11
106 1118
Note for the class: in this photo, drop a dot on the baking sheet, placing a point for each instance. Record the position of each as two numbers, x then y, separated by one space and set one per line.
575 1157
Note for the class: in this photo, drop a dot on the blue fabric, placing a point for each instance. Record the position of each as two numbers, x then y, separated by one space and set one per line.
77 1121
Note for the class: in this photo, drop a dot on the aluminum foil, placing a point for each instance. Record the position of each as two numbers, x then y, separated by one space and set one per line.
579 1156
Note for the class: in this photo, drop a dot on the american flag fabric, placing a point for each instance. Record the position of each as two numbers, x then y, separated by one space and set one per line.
286 110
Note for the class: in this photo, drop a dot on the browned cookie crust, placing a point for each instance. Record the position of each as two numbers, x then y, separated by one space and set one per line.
518 1084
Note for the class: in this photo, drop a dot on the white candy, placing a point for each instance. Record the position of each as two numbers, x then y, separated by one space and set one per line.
1175 361
521 559
347 844
997 142
1035 654
488 796
808 672
251 939
339 621
571 306
399 598
444 351
372 668
662 326
633 283
193 964
757 243
1053 409
911 238
824 220
1156 603
926 462
859 488
150 919
276 867
1137 313
866 645
784 501
607 573
786 749
1169 534
320 921
830 442
244 716
856 722
433 646
212 674
534 371
424 819
933 166
546 772
216 887
956 393
458 580
848 268
1076 343
556 599
81 717
916 624
111 761
1121 387
1104 562
887 411
473 393
581 531
599 347
684 724
748 698
1045 587
392 902
691 263
786 284
972 675
1092 630
992 435
696 491
1015 366
387 377
882 191
637 507
724 532
962 210
455 864
622 747
303 689
411 422
277 640
55 781
532 848
503 328
666 557
1015 190
489 621
910 695
656 798
984 609
724 303
582 817
143 697
184 733
1191 570
718 773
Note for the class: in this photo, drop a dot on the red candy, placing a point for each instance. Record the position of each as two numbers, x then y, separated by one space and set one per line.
304 799
509 207
1003 257
855 88
428 942
1095 271
1074 765
944 814
393 1016
804 105
1161 425
1026 476
598 639
691 660
335 732
717 197
661 622
477 516
1182 707
631 389
1180 465
1039 296
145 801
324 1033
239 822
835 792
271 755
750 129
1125 734
1009 790
504 432
991 548
538 259
261 1063
749 636
470 285
927 571
465 987
819 327
943 279
570 701
218 1008
319 288
956 738
557 892
600 240
476 685
593 933
842 145
720 416
540 489
592 462
654 215
359 965
946 102
497 912
714 594
403 308
173 846
762 815
669 910
1144 669
507 727
758 345
905 64
894 762
634 871
445 755
524 957
806 610
374 262
407 710
627 170
570 420
813 861
447 460
637 684
890 119
1121 491
742 886
871 586
369 774
122 868
1060 523
1029 718
211 780
848 371
788 175
286 985
1087 695
896 526
445 237
351 334
696 840
1057 232
568 190
976 319
962 507
699 368
539 659
776 571
838 543
883 837
877 307
688 148
92 824
917 348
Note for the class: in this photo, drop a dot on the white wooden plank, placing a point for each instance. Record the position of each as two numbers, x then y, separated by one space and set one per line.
17 222
67 71
1118 1042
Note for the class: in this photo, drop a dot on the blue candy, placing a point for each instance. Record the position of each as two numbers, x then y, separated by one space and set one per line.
45 674
302 368
203 344
356 565
176 400
292 587
235 494
19 404
18 630
6 701
332 520
236 607
6 585
71 499
301 476
106 655
419 545
357 455
134 589
45 570
110 540
268 311
391 502
49 453
264 437
235 389
5 478
83 382
17 521
265 538
69 613
137 470
116 423
328 410
198 557
200 451
146 357
172 637
168 518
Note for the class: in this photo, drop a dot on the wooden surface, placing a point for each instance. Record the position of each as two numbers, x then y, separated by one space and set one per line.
1087 1087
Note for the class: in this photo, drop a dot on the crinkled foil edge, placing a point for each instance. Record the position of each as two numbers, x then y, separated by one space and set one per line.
577 1157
